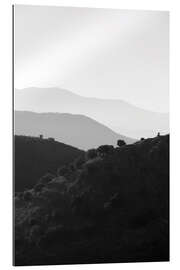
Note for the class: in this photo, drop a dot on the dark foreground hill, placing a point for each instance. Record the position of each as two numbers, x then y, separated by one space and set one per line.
113 207
77 130
34 157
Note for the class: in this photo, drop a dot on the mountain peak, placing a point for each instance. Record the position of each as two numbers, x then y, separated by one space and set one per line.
128 119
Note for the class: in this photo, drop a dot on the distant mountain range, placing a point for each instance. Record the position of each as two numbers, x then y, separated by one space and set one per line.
120 116
77 130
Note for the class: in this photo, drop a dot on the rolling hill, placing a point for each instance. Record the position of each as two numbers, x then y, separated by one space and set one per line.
77 130
111 208
34 157
119 115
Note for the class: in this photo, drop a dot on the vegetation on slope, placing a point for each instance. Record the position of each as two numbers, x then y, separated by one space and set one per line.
112 205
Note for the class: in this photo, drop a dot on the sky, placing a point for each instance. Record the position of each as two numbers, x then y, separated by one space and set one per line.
103 53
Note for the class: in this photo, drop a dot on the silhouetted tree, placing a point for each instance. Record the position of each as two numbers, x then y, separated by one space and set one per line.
121 143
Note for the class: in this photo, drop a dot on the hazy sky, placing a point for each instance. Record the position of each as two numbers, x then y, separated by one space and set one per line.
102 53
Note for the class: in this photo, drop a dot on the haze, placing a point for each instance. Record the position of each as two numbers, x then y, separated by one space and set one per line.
111 54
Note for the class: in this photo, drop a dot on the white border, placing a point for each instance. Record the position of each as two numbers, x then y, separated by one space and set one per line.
6 125
128 4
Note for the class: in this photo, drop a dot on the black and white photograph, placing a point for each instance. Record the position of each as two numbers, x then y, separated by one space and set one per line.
90 135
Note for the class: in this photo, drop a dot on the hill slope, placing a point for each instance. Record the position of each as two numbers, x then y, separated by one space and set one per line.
112 113
34 157
116 209
77 130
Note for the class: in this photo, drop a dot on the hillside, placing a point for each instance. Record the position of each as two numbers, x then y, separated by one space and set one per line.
34 157
113 207
111 113
77 130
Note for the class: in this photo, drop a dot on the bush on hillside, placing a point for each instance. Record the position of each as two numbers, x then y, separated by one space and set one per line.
121 143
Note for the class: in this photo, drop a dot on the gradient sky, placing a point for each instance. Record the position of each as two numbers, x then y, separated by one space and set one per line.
103 53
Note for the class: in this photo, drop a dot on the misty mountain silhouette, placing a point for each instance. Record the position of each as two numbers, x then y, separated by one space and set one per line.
77 130
119 115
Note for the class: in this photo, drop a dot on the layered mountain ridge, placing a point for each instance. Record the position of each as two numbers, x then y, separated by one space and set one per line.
113 113
77 130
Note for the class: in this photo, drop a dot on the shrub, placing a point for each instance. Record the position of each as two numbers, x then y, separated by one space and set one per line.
121 143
